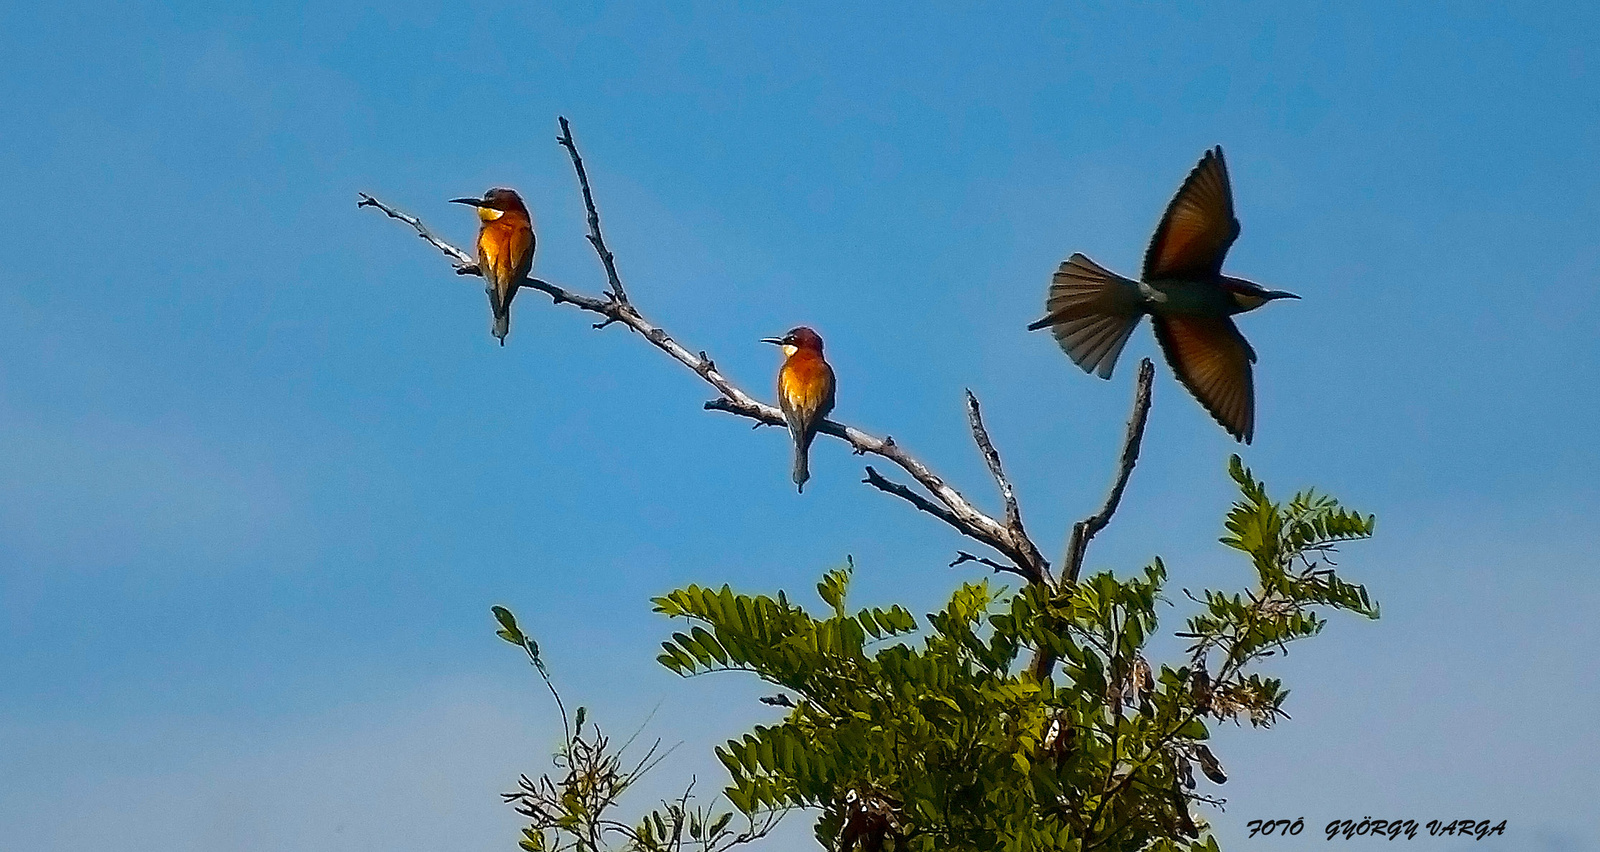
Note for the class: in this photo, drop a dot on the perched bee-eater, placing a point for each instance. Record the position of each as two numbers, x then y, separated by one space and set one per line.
805 392
1092 311
505 251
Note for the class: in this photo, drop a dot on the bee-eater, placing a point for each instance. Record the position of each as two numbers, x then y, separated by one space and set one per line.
805 392
1092 311
505 251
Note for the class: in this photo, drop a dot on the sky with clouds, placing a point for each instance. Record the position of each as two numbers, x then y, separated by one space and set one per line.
263 470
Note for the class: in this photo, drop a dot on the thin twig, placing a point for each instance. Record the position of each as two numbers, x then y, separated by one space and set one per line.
991 457
461 258
889 486
596 239
1085 529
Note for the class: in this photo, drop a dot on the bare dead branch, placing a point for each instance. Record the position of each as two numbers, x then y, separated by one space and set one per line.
1085 529
953 508
461 258
889 486
950 505
596 239
991 457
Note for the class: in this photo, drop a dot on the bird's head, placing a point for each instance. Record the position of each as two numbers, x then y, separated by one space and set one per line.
1249 295
797 339
495 203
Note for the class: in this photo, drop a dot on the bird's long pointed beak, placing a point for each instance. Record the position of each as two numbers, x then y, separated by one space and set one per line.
475 202
775 341
1280 294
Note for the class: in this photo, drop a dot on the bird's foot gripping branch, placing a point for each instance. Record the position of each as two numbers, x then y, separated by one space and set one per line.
932 734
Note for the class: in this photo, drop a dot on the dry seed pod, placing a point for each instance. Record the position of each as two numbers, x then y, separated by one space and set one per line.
1200 685
1209 765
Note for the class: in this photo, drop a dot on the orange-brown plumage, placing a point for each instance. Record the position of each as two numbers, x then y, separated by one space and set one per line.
805 393
505 251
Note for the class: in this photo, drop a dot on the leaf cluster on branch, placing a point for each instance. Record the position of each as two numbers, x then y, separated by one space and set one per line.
940 735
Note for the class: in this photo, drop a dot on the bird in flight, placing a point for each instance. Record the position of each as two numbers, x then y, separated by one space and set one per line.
1092 311
505 251
805 392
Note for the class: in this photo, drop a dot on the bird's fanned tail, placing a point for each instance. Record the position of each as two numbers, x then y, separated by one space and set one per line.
1092 311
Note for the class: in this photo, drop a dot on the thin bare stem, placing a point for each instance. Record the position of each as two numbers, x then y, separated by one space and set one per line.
1035 561
461 258
596 239
1086 529
889 486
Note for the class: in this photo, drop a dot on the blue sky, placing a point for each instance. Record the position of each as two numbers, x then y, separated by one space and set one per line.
263 470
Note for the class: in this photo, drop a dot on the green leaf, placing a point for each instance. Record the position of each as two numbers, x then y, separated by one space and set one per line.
1194 729
709 644
948 728
508 625
835 585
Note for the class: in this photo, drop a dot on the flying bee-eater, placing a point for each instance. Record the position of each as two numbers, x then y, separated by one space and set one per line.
1092 311
505 251
805 392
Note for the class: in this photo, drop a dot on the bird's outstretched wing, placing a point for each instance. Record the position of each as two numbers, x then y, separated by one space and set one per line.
1198 227
1213 360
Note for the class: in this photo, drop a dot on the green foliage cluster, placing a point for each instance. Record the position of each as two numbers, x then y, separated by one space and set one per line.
935 735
